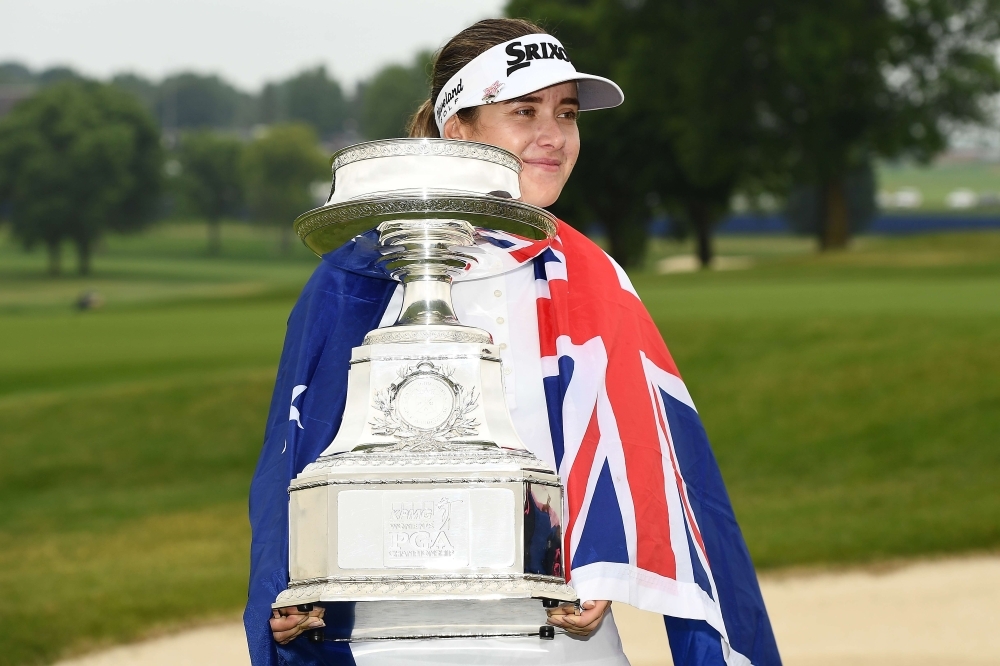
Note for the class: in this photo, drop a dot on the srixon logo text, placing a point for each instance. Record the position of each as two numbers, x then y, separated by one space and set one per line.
522 55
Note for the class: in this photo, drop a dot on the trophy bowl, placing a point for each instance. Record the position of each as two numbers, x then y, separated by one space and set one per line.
422 179
427 514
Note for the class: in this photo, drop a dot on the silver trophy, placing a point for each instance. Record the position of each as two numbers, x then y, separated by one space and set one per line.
427 511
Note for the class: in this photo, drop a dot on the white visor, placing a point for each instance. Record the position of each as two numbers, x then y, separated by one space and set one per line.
518 67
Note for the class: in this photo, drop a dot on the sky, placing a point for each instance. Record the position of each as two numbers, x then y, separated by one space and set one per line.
247 42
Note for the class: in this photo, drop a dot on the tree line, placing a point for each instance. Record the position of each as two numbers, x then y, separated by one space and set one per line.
795 99
378 108
80 158
747 97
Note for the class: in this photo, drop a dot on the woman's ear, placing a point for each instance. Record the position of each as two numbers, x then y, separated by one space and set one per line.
454 128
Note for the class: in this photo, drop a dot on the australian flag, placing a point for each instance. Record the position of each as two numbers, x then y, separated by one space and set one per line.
649 520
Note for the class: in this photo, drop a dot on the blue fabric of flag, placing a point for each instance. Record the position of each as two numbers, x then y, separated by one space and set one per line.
603 538
693 642
742 605
343 300
555 396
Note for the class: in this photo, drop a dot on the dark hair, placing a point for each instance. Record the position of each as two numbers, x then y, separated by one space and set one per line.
456 54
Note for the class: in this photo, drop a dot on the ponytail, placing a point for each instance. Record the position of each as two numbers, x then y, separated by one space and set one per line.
422 124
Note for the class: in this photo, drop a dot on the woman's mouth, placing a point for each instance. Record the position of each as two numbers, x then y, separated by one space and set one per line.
544 163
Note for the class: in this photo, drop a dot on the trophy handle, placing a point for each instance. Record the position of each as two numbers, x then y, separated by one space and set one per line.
312 635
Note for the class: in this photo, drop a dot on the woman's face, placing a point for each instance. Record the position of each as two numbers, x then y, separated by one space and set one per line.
540 128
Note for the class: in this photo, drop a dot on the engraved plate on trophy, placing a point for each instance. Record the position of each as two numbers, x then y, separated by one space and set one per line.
426 528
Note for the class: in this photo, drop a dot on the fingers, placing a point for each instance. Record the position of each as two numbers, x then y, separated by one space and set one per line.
564 609
584 622
288 623
283 633
289 611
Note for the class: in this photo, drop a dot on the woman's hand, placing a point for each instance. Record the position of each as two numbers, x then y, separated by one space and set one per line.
579 622
287 623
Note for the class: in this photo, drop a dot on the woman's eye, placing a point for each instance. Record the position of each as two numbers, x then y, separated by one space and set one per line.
528 111
569 115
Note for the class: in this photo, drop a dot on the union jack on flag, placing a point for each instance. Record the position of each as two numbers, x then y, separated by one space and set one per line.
650 523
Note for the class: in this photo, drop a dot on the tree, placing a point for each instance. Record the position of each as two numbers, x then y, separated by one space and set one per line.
270 107
610 184
59 75
78 160
279 168
392 96
310 96
856 80
806 205
143 89
687 133
15 73
194 101
211 180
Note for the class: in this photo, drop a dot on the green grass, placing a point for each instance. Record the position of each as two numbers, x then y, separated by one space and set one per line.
128 435
167 263
853 402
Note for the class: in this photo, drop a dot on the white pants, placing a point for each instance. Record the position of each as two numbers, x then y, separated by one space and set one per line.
602 648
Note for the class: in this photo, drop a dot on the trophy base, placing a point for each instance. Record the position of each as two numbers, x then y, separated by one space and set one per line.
427 516
423 619
412 539
436 587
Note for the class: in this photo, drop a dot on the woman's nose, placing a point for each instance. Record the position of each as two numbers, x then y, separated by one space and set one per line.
550 134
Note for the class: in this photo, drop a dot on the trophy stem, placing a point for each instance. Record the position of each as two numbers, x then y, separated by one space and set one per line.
427 300
425 255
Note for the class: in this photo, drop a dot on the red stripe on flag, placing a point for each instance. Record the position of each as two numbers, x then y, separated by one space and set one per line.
579 475
643 464
591 303
679 480
653 345
547 331
528 252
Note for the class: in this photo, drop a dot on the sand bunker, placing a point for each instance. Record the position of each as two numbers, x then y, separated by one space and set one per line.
933 613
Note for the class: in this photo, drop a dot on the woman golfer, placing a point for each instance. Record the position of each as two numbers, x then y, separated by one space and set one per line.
590 386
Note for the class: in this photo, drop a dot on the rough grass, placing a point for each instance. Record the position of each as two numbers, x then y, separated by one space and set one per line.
853 401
